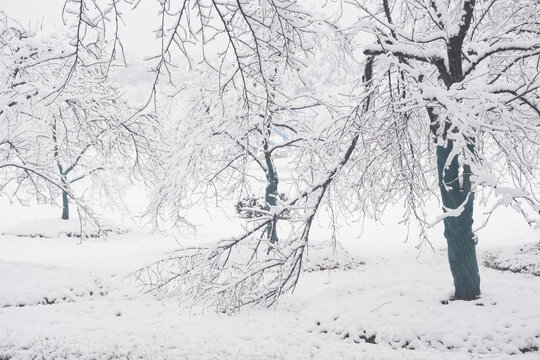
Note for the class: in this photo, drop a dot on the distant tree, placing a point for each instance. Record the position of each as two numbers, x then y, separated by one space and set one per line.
61 123
234 96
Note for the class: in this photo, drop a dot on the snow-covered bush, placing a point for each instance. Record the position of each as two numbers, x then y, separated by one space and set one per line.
329 255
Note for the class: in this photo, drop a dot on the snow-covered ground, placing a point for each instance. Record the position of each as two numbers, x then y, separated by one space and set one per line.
62 299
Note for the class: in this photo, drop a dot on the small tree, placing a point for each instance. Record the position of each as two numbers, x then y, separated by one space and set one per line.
89 133
65 124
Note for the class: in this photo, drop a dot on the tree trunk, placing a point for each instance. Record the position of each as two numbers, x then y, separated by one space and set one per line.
458 229
270 198
65 205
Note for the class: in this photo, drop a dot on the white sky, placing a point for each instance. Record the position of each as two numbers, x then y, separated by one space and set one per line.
138 42
34 12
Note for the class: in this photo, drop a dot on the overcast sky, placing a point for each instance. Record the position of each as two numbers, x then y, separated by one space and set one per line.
136 34
34 12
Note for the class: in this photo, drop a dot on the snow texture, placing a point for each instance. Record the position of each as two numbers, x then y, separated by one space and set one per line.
521 259
80 303
53 227
327 255
26 284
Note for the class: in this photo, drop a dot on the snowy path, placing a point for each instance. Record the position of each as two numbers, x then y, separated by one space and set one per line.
392 301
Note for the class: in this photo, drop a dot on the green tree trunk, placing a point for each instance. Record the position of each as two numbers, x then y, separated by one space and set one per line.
65 198
270 198
65 205
458 229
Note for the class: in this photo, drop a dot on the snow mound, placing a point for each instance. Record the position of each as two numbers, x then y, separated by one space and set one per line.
25 284
55 227
521 259
329 255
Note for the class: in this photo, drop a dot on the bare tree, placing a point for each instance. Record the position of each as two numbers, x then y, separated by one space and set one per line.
60 125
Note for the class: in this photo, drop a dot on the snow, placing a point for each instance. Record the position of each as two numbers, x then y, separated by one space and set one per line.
401 308
54 227
25 284
382 300
519 259
327 255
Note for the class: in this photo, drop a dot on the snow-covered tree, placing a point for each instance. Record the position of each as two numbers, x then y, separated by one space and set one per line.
233 95
249 268
62 122
459 82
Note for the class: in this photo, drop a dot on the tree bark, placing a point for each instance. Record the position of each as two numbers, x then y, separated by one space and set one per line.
271 196
65 205
458 229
